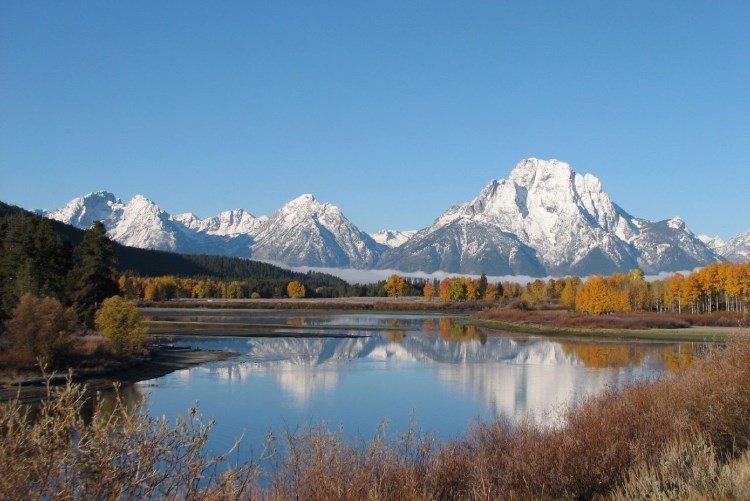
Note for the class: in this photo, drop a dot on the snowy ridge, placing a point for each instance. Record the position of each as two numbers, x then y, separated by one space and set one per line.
141 223
81 212
543 220
305 232
392 238
228 223
546 219
713 243
737 248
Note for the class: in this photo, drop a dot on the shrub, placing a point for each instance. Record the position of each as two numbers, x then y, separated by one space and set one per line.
118 320
687 470
40 328
120 454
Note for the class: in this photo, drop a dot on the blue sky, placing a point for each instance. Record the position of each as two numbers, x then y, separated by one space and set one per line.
391 110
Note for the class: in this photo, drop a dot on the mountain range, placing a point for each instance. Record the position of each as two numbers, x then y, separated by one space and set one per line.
544 220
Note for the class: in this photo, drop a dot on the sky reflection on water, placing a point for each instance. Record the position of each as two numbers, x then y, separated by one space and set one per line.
443 374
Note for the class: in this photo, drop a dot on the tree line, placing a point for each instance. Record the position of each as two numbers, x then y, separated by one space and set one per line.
309 285
716 287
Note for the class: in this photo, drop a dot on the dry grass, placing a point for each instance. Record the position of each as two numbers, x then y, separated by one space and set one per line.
687 469
120 454
556 318
650 435
590 455
565 319
717 319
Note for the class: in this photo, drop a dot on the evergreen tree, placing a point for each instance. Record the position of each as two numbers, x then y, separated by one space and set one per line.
14 249
483 286
93 280
32 261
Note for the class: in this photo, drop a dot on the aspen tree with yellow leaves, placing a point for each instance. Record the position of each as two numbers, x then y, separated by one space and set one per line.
395 286
295 289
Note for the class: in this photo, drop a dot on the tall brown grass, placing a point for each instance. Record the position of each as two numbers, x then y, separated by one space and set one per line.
634 320
687 469
119 454
647 437
565 319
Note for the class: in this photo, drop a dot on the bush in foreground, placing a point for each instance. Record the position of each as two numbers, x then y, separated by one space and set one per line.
120 454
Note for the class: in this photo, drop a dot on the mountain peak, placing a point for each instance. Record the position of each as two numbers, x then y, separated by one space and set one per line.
139 199
305 198
83 211
102 194
677 223
530 171
392 238
546 219
543 219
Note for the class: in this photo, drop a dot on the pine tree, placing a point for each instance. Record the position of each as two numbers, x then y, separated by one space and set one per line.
32 261
482 286
94 279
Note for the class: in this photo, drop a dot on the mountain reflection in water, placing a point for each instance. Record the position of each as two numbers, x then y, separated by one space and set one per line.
430 357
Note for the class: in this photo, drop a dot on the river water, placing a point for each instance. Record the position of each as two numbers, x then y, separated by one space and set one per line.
387 369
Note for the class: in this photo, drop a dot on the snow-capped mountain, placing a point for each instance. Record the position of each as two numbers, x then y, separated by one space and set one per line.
713 243
737 248
546 219
81 212
228 223
141 223
305 232
669 246
392 238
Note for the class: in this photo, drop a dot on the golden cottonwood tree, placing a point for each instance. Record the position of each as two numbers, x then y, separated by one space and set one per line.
395 286
295 289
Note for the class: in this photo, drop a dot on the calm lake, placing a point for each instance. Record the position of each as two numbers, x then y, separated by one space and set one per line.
378 368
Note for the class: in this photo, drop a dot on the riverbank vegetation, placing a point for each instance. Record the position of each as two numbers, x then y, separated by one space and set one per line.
58 303
683 436
50 292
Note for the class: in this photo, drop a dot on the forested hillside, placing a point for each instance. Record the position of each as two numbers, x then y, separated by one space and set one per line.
144 262
36 255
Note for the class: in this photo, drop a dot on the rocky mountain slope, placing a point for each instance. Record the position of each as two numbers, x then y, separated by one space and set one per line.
392 238
736 249
141 223
303 232
544 219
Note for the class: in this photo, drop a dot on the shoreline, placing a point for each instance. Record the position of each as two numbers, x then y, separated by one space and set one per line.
420 306
163 360
718 335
